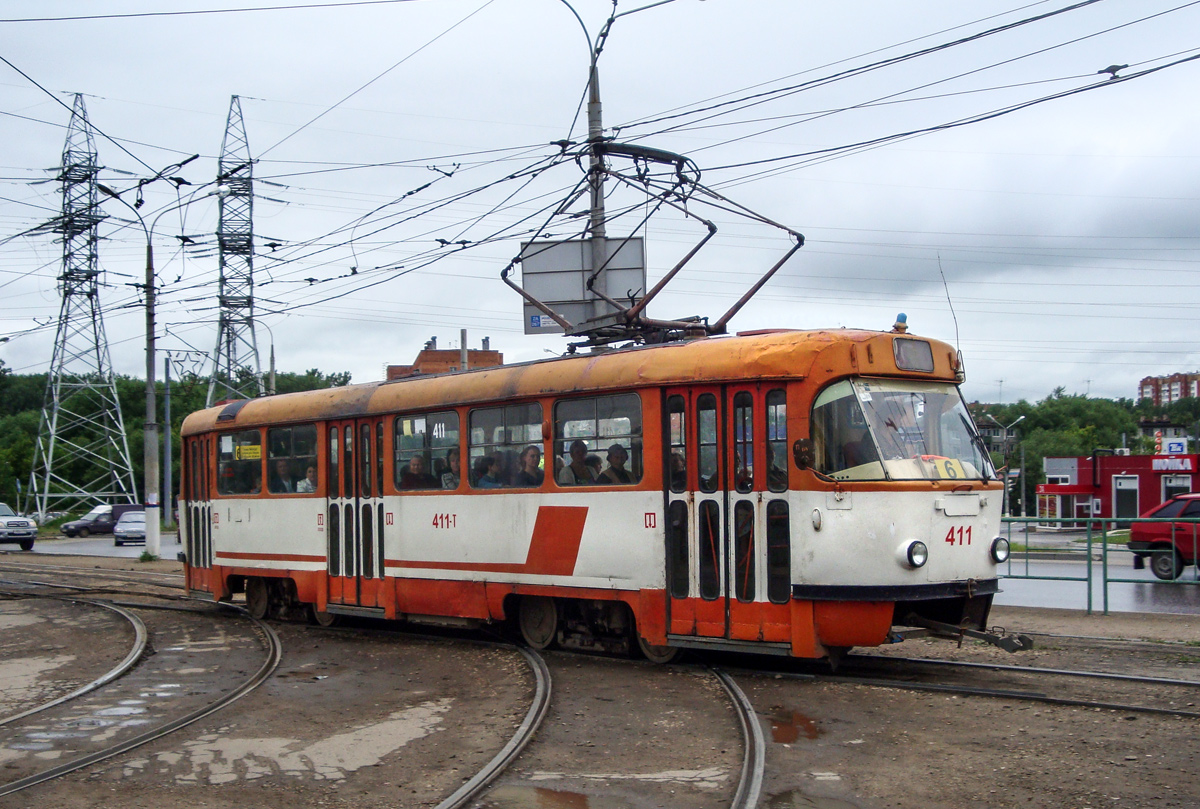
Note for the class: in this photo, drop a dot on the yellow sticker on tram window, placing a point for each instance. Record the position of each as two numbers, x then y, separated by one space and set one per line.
250 452
949 469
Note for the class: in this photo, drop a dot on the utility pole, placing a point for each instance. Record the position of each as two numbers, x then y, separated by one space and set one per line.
236 370
168 500
81 454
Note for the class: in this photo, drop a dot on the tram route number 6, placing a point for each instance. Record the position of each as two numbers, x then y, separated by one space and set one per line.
956 536
445 520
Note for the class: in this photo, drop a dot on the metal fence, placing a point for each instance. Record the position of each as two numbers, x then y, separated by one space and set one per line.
1101 549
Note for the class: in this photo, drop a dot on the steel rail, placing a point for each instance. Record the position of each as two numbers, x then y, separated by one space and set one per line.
140 639
274 655
972 691
749 788
138 577
1097 675
525 733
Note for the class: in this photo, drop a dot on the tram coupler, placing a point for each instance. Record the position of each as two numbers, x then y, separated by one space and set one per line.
1002 640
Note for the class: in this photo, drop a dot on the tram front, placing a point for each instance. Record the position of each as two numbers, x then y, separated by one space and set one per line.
903 511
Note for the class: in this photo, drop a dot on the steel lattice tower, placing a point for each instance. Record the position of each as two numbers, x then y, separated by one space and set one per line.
237 373
81 454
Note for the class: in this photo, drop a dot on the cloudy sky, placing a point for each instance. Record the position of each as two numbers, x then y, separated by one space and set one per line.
908 142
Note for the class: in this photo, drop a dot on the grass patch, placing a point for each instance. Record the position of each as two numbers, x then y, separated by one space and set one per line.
1119 537
147 557
52 528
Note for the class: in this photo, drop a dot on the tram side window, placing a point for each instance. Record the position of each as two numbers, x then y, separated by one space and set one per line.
239 463
677 444
599 441
777 480
498 438
706 427
292 463
426 451
743 441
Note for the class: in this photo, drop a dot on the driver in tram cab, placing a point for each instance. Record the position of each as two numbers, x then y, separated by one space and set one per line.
415 475
899 436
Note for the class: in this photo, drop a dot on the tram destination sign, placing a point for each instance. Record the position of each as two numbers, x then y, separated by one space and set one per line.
556 273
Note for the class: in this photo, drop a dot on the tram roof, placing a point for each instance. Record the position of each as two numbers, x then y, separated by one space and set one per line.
781 354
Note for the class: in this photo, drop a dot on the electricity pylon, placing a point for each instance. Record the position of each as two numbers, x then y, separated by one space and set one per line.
236 370
82 454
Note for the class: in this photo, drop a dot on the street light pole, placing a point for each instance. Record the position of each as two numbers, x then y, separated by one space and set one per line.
150 437
150 471
1004 445
596 230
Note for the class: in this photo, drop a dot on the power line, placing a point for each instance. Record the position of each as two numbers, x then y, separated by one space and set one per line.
206 11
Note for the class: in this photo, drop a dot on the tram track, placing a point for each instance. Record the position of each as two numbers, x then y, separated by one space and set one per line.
901 673
148 577
136 650
69 731
915 674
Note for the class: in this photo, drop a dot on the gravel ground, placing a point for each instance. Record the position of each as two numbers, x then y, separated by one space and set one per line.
399 721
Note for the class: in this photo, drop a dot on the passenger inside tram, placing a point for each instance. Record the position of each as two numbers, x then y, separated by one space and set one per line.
453 471
487 472
415 475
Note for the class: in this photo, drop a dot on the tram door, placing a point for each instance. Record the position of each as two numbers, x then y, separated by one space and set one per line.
354 512
727 522
697 572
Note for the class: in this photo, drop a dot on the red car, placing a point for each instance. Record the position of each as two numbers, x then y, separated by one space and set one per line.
1171 546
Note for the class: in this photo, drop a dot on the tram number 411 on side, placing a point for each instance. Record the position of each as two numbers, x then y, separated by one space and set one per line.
445 520
958 536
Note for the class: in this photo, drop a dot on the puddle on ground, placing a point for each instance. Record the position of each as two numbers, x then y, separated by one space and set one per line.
788 726
795 799
123 710
522 797
21 680
13 616
218 758
710 778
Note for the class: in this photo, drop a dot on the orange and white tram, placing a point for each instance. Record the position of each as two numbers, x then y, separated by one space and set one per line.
791 492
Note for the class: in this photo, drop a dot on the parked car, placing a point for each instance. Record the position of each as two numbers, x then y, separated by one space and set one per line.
1171 546
14 528
130 528
99 520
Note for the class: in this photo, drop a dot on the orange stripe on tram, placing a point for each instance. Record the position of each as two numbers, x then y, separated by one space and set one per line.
553 550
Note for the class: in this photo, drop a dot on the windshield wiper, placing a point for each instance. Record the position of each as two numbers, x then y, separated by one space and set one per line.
977 440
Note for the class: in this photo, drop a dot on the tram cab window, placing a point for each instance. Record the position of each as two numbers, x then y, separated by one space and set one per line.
501 434
895 429
239 463
426 450
292 459
608 428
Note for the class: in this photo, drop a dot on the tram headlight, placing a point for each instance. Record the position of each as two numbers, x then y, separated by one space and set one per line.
917 554
1000 550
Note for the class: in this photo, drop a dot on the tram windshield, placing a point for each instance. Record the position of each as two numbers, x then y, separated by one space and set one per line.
874 429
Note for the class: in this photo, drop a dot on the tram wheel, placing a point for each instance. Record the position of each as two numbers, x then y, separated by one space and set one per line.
321 618
657 654
539 621
1166 564
258 597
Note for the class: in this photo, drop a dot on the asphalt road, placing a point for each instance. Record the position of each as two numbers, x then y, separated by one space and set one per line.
1146 594
103 546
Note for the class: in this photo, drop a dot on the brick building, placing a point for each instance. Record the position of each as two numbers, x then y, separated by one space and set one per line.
433 360
1163 390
